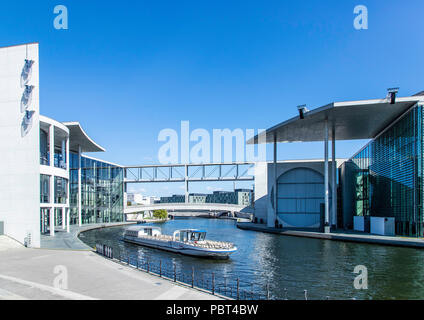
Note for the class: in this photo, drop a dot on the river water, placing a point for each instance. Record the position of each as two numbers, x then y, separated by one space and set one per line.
289 265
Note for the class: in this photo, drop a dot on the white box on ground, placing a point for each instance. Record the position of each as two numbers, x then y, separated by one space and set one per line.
383 226
359 223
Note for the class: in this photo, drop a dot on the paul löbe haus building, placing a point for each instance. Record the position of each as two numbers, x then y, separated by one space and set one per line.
46 182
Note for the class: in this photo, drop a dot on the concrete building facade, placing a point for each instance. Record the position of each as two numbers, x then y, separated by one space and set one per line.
300 193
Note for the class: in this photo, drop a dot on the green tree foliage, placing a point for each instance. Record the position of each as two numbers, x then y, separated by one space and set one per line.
160 214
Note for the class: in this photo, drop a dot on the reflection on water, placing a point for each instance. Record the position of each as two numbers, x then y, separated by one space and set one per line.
324 268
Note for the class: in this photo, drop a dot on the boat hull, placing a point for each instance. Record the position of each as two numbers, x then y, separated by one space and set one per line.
182 248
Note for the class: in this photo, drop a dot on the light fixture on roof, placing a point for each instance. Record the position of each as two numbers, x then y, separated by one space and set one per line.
392 94
302 110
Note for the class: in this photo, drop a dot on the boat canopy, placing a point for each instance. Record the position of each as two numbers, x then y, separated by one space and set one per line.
144 230
189 235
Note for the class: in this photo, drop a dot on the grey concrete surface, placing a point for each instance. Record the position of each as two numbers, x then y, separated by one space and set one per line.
32 274
348 236
64 240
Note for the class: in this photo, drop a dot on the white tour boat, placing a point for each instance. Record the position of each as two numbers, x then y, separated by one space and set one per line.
190 242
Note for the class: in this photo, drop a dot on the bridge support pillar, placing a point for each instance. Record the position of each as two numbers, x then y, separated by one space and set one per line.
186 184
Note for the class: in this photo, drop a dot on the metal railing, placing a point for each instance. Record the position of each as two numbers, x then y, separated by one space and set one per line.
227 287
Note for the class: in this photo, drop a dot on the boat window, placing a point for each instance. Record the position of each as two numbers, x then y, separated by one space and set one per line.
183 236
202 236
149 232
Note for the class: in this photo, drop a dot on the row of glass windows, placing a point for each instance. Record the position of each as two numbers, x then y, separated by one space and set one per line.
60 189
59 152
101 191
387 175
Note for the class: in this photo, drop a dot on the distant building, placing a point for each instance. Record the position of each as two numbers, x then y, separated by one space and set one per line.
239 197
138 199
176 198
197 198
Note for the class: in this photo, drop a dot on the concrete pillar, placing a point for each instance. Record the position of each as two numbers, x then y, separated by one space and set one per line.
51 145
334 179
68 157
52 222
63 218
68 220
275 180
326 191
63 151
79 188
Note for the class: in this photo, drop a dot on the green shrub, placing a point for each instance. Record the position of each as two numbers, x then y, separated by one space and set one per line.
160 214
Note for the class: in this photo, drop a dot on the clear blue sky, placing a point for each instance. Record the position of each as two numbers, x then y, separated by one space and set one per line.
128 69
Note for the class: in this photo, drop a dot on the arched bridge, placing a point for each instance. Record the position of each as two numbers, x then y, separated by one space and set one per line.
208 207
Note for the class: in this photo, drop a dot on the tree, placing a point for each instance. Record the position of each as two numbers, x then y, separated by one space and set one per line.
160 214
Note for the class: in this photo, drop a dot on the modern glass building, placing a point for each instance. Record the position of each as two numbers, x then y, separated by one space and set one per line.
74 188
387 175
102 186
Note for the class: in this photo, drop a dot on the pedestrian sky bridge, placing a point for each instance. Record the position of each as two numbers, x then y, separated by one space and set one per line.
243 171
190 172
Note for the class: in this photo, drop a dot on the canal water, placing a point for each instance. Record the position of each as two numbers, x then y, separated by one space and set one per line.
289 265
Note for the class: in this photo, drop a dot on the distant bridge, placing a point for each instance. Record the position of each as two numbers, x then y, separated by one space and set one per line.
208 207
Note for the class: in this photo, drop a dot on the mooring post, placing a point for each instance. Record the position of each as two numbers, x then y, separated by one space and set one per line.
238 289
192 277
267 290
213 283
306 294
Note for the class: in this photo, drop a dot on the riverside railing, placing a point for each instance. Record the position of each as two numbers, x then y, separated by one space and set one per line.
227 287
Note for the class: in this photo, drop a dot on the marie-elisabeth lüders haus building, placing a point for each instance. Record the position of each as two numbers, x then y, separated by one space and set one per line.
47 183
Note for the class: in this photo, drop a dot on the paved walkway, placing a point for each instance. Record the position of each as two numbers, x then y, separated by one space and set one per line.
32 274
339 236
64 240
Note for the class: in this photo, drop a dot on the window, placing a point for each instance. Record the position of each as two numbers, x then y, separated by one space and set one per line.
44 188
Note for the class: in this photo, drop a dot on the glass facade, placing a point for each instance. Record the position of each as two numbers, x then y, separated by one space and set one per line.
44 188
388 177
101 191
60 190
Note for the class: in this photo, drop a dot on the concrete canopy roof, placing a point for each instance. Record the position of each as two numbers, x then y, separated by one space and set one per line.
78 137
350 120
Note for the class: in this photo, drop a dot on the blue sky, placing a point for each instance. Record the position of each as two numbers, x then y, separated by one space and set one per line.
128 69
